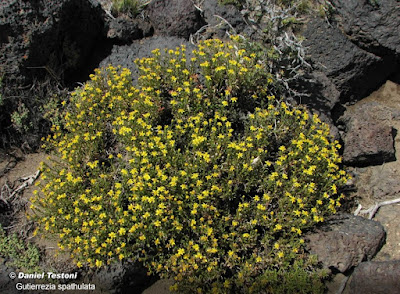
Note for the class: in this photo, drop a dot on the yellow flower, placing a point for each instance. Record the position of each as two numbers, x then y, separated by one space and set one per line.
122 231
78 239
99 263
246 235
197 140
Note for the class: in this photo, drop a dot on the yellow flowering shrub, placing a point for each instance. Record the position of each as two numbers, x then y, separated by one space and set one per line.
199 172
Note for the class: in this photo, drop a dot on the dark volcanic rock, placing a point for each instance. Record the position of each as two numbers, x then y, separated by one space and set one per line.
323 97
222 18
44 45
174 17
368 143
360 49
324 94
372 25
344 241
125 55
354 72
368 140
376 278
124 29
38 37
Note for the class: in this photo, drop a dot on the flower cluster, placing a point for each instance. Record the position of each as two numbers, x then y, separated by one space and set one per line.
199 172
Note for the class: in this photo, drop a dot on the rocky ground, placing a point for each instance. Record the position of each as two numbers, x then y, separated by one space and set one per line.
354 85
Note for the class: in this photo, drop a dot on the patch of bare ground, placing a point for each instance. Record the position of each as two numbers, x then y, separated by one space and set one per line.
18 173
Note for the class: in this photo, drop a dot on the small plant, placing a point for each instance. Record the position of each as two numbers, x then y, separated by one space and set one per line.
18 254
131 7
199 172
20 118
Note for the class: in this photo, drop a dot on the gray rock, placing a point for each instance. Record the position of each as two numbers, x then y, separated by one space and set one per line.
178 18
222 18
359 49
125 55
354 72
372 25
323 97
345 241
44 45
368 139
124 30
375 277
324 94
59 35
368 143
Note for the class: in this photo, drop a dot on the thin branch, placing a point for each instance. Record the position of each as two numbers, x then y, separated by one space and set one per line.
227 22
27 182
198 5
374 208
9 195
195 37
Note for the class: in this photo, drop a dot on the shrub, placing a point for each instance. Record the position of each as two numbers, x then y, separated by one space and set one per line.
20 118
199 172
